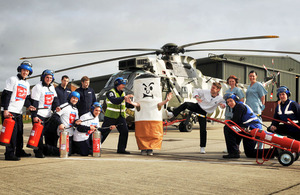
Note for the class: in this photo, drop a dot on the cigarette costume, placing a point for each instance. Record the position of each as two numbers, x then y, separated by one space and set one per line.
148 117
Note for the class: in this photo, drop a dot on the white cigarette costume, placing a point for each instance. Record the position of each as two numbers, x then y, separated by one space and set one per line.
148 117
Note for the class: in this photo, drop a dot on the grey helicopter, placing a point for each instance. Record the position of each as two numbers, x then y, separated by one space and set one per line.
178 73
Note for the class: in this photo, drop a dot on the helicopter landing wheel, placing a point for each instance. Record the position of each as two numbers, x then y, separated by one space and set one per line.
286 158
186 126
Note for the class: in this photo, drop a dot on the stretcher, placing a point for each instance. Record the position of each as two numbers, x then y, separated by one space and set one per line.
288 149
168 123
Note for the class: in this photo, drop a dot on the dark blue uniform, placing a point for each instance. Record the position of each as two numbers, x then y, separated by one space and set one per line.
87 98
245 118
289 109
62 94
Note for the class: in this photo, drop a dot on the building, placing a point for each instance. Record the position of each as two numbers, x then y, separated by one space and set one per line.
221 66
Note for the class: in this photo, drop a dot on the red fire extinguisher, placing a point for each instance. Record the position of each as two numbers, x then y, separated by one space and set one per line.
6 131
35 135
96 144
284 142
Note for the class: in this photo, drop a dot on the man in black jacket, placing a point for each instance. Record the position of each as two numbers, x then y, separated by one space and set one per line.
62 90
87 96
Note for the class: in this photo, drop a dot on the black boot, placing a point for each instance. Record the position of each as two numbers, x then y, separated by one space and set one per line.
22 153
231 156
12 158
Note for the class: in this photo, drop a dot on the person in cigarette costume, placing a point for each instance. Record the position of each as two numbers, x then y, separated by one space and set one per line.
148 115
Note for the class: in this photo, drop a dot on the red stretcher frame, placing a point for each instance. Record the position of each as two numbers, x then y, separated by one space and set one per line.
238 130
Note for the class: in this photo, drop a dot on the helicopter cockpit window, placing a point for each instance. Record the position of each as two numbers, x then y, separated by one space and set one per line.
110 81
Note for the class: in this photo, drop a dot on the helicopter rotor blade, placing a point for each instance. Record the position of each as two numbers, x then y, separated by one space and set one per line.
98 62
246 50
87 52
230 39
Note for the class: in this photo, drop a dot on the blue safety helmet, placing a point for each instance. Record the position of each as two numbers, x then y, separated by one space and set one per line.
74 94
47 72
232 96
119 81
95 105
284 89
25 65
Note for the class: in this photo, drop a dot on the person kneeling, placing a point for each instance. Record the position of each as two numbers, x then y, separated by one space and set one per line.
245 118
88 123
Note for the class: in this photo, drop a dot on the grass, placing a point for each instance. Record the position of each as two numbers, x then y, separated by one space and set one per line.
24 120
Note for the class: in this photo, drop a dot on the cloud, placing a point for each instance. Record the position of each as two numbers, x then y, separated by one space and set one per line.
34 27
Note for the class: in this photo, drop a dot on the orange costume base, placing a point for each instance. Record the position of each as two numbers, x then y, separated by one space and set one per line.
149 134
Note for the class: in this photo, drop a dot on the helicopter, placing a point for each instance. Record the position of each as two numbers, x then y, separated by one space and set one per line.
178 73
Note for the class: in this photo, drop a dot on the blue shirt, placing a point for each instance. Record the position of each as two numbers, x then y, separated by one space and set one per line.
253 95
87 98
240 94
62 94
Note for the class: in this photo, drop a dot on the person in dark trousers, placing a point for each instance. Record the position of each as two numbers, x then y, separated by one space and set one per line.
15 95
286 109
65 119
245 118
87 96
62 96
207 102
85 126
44 98
62 90
116 102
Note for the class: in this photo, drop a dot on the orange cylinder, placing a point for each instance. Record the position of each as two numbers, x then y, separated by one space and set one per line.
274 138
35 136
6 131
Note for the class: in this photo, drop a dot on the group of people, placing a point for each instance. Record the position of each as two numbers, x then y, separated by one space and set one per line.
59 109
246 115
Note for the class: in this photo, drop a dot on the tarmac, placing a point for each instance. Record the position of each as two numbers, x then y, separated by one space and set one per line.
178 168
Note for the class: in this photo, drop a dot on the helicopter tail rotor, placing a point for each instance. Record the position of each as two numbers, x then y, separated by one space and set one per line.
271 77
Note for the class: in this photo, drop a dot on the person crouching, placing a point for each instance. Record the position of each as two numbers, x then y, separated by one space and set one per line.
86 125
65 119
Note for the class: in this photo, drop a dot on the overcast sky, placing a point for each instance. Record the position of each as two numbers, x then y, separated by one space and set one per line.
35 27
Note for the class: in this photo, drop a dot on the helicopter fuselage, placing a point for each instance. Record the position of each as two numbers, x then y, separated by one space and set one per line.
178 75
